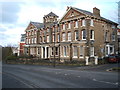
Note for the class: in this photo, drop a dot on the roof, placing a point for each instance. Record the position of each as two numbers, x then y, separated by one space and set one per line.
83 11
51 14
37 24
90 14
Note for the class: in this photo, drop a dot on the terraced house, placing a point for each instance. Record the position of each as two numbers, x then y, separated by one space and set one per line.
78 35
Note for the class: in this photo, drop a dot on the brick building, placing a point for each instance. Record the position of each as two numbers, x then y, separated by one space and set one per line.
21 45
78 35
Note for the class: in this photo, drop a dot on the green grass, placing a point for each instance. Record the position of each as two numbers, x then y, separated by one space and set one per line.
116 68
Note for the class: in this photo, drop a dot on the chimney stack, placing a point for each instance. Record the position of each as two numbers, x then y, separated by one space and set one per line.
96 12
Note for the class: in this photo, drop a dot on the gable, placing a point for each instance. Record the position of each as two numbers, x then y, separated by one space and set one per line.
72 13
30 26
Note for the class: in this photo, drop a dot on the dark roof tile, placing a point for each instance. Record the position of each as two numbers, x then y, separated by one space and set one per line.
38 25
51 14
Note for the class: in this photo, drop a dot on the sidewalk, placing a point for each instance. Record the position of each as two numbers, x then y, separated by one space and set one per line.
104 67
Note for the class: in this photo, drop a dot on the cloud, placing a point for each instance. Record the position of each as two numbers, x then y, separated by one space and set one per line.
16 14
10 12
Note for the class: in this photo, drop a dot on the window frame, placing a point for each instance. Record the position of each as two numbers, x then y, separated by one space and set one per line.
84 31
69 36
64 36
75 51
92 34
83 22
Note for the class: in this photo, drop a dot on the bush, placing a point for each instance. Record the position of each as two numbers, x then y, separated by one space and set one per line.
24 56
11 57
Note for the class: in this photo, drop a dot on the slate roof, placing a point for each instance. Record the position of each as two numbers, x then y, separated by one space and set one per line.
83 11
51 14
91 14
38 25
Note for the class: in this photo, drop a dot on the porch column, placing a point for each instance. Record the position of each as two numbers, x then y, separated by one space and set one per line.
87 60
49 52
41 52
96 60
45 52
108 49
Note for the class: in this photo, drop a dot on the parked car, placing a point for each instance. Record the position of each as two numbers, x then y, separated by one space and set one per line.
113 58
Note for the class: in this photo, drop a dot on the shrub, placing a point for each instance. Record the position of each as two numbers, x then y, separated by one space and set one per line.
11 57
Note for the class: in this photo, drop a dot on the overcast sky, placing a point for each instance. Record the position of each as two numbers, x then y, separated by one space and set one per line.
15 15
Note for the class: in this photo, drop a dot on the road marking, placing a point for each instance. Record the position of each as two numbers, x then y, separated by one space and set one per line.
65 74
78 76
105 82
57 72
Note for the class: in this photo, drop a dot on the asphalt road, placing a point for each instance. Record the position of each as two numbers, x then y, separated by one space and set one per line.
31 76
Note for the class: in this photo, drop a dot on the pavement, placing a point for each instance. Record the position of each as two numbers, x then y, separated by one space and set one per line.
104 67
36 76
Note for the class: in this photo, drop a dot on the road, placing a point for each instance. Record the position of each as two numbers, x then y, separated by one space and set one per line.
34 76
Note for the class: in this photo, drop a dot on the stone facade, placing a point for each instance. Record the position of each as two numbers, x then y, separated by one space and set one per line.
77 35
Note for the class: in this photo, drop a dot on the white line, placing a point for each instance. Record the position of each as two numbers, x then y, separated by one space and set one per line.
106 82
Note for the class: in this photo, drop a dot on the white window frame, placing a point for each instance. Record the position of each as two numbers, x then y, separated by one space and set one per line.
63 26
76 24
29 41
69 36
35 32
92 33
47 38
107 49
58 37
83 34
69 25
53 37
76 35
32 40
35 40
91 22
81 51
83 22
92 51
75 51
63 37
64 51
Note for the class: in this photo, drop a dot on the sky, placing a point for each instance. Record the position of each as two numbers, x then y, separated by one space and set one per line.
15 15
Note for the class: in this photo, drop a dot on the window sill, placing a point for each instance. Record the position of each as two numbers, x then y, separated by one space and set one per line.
75 57
92 25
82 26
81 57
92 39
83 39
